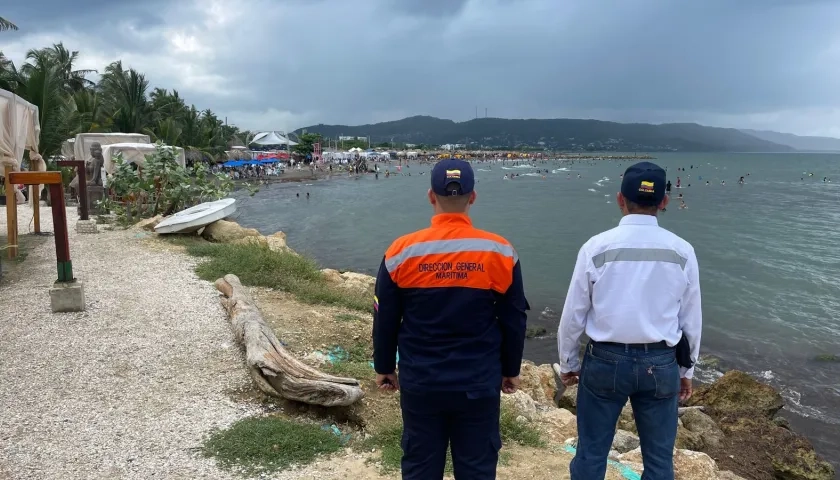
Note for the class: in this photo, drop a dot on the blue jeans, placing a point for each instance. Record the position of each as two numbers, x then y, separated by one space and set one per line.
650 378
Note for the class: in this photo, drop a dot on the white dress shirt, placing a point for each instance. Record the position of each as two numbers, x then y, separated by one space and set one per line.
635 283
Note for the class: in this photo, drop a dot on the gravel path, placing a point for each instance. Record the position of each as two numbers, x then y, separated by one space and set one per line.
126 389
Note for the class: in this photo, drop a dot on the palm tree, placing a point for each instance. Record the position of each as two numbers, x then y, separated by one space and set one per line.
7 25
9 76
85 112
124 96
74 80
41 84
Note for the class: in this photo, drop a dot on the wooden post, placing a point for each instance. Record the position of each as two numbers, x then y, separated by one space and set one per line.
36 207
11 213
79 165
62 241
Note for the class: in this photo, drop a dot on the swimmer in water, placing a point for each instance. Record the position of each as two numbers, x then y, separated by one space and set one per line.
683 206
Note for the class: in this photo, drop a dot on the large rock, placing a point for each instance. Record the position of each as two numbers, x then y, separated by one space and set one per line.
701 424
223 231
538 382
727 475
624 441
568 399
558 423
738 393
688 465
804 465
358 281
275 242
688 440
754 444
626 421
521 403
149 223
350 280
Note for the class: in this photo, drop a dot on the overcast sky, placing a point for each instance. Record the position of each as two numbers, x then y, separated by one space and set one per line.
283 64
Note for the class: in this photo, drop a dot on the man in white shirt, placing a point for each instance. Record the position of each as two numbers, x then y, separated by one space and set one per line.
635 292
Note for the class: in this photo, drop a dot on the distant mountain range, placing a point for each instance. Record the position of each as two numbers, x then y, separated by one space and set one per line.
811 144
562 134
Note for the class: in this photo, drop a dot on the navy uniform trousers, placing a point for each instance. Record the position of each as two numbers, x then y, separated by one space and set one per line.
434 420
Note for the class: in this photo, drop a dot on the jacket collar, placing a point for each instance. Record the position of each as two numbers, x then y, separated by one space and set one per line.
635 219
451 220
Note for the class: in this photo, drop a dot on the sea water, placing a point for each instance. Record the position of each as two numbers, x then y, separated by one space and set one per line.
769 250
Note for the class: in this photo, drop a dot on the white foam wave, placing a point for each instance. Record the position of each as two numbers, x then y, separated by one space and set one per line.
515 167
484 170
592 190
558 170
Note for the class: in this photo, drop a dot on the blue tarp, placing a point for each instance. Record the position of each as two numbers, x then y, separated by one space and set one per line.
239 163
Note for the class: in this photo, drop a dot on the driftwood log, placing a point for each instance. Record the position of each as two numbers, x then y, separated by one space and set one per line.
274 369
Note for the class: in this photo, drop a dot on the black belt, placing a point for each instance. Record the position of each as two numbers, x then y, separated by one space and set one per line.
649 346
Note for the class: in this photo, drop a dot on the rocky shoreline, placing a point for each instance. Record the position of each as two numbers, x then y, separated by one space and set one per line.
730 429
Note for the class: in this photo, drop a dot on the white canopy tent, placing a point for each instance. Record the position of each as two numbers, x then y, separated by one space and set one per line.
82 142
272 138
20 129
134 153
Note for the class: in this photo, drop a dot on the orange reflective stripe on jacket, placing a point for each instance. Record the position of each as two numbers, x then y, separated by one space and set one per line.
461 256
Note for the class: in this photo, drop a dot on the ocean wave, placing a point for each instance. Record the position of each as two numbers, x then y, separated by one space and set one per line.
561 169
592 190
516 167
793 399
484 170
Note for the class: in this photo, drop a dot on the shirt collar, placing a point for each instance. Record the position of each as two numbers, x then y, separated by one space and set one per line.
451 220
635 219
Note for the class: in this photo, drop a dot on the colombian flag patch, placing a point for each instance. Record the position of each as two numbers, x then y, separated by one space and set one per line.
455 174
376 303
646 187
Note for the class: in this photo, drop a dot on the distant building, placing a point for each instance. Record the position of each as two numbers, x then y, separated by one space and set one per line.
452 146
348 138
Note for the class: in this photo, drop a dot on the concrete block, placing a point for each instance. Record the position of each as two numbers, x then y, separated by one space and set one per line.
67 297
86 226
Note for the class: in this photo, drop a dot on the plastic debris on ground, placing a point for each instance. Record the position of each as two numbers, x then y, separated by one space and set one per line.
625 471
343 438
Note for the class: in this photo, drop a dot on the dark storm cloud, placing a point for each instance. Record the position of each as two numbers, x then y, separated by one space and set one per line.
433 8
39 15
337 61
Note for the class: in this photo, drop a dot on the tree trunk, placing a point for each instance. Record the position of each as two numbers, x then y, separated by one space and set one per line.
275 370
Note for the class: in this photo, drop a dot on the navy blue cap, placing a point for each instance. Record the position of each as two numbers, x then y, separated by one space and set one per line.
452 170
644 184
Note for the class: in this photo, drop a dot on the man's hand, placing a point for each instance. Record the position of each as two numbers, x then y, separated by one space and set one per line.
685 389
388 382
570 378
510 384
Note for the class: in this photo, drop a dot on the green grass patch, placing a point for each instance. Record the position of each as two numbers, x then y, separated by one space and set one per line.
354 364
523 433
268 444
346 317
388 440
257 265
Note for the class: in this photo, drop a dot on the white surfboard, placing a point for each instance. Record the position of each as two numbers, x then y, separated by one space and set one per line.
192 219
